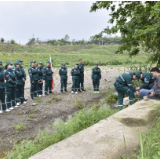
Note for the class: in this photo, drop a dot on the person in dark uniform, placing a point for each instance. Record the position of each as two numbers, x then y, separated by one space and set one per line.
47 76
33 74
75 73
81 77
123 85
11 82
23 80
40 79
96 77
63 73
19 87
2 88
147 80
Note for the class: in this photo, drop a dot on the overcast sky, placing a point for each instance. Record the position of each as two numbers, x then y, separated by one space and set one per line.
50 20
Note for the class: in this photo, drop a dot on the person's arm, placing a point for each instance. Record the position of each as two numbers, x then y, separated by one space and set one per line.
30 73
146 82
92 74
60 71
8 78
24 74
44 73
72 72
100 74
129 84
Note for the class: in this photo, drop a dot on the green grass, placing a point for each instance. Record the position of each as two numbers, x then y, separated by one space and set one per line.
111 98
61 130
20 127
54 98
31 116
38 99
104 55
150 142
80 104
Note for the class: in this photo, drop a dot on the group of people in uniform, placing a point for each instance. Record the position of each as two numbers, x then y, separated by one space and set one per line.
123 85
12 81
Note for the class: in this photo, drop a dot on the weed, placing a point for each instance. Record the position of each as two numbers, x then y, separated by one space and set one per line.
54 98
38 99
111 98
89 88
31 116
80 104
20 127
69 101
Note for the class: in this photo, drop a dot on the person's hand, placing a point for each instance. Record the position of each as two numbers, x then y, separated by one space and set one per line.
151 94
137 93
24 80
137 88
32 81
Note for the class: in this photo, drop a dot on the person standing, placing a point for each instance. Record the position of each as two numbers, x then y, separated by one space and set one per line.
33 74
63 74
40 79
123 85
23 80
2 89
75 73
11 82
96 77
19 86
81 77
47 76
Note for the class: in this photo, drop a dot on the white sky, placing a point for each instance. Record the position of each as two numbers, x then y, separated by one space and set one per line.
19 20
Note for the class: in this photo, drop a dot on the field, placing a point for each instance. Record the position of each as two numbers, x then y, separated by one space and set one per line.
104 55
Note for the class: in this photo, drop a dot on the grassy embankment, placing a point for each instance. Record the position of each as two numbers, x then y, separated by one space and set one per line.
87 116
104 55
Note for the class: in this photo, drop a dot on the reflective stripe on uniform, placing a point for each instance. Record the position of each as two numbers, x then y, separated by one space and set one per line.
122 78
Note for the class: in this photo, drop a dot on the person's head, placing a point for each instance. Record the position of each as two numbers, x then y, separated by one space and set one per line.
139 75
40 64
0 64
80 61
155 71
20 61
33 63
17 64
63 65
134 76
96 65
48 63
9 65
76 65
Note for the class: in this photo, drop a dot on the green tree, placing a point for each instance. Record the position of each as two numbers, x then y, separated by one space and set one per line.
139 25
66 38
2 40
12 41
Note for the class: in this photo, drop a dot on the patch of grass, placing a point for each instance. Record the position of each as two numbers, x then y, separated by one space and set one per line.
20 127
150 142
89 88
69 102
61 130
54 98
80 104
31 116
111 98
38 99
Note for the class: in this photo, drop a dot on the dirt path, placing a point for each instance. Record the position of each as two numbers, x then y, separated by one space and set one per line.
44 113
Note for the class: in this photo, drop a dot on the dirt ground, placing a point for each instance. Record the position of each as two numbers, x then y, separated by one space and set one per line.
44 114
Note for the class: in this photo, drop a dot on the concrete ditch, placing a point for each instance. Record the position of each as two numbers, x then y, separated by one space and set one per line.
105 139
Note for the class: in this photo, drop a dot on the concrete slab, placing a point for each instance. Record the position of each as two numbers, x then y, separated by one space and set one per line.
105 138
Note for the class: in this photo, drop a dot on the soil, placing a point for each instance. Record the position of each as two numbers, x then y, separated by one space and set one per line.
44 114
